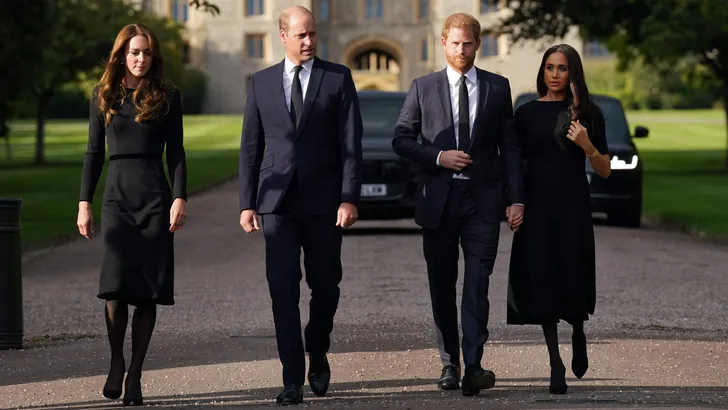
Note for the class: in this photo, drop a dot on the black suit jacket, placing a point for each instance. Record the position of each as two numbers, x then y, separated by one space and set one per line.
495 148
325 151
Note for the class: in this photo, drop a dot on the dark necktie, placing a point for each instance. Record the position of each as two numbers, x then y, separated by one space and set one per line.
296 98
463 117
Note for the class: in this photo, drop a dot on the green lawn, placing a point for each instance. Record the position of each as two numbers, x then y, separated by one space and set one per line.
683 158
50 193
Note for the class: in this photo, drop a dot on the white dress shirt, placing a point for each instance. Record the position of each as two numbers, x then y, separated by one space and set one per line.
471 82
289 71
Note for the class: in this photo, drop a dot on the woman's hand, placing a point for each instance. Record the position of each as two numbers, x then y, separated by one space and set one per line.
579 135
177 214
85 221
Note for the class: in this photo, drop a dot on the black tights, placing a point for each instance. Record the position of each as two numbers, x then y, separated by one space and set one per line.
552 339
142 326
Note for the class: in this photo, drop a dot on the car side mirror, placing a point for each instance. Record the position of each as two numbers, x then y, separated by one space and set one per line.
641 132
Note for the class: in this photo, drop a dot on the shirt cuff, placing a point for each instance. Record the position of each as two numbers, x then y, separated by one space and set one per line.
516 203
438 159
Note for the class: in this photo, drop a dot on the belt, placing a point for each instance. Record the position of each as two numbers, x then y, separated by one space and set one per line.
460 182
114 157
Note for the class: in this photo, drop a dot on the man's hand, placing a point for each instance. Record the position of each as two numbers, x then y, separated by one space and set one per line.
249 220
514 213
455 160
347 215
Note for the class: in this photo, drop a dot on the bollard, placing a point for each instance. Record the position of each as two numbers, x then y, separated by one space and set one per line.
11 283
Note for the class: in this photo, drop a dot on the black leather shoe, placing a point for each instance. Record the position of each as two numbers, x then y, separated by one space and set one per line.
112 387
291 394
557 383
133 391
580 360
450 378
319 374
477 379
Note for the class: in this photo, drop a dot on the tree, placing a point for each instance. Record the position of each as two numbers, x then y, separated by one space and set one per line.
205 6
22 28
660 32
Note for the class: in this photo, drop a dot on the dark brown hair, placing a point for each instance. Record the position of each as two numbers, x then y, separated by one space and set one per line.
579 104
153 88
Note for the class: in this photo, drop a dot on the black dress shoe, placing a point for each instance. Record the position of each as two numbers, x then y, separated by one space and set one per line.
291 394
112 387
580 360
450 378
557 384
133 391
477 379
319 375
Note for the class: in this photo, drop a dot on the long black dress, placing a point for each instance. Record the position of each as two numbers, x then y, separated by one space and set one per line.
552 269
138 261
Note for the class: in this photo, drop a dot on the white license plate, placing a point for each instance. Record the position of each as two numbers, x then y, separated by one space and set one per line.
374 190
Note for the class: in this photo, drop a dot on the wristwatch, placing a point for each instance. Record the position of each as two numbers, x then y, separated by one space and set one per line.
593 154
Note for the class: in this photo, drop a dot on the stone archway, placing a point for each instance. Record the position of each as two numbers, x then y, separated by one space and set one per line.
375 62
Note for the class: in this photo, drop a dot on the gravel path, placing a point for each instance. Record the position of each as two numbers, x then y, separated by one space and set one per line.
658 337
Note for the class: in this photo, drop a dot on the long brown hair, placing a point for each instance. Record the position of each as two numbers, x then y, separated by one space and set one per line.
153 87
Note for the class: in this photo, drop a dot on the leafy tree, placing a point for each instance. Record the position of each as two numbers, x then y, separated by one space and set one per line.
661 32
205 6
22 28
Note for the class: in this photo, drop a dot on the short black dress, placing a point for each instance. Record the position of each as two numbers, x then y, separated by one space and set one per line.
552 270
138 261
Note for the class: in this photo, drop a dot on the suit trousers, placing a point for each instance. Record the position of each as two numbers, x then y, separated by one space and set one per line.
461 225
288 230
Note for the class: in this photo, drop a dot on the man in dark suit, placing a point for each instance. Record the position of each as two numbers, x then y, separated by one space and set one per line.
300 169
467 153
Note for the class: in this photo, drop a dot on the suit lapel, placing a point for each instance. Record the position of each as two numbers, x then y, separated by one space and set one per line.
480 118
443 91
314 83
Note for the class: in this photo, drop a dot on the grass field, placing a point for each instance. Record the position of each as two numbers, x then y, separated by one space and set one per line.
685 184
50 193
683 159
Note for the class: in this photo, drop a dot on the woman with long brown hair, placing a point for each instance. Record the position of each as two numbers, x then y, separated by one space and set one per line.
138 113
552 273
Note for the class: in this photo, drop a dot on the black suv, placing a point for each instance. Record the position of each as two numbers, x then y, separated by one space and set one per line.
620 195
389 182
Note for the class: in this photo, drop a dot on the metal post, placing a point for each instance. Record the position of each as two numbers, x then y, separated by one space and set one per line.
11 289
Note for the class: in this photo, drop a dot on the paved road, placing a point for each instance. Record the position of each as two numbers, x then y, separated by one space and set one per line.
658 339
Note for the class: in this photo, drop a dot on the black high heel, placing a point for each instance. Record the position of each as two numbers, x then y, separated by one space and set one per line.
557 384
133 392
112 387
579 360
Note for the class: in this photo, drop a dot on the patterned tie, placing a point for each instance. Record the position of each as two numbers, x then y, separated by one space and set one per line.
296 98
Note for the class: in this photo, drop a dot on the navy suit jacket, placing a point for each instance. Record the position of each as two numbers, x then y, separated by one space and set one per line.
495 148
325 151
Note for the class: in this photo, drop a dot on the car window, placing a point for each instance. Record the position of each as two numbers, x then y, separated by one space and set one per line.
379 115
616 121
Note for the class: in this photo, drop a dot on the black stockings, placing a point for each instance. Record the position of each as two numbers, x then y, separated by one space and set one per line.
142 326
579 363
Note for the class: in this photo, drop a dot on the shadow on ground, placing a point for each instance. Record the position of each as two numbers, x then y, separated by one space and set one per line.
364 395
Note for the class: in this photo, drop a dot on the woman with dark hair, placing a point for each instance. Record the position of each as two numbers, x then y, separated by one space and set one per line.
552 273
137 112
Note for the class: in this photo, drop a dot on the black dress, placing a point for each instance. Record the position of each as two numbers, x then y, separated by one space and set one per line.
552 273
138 261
